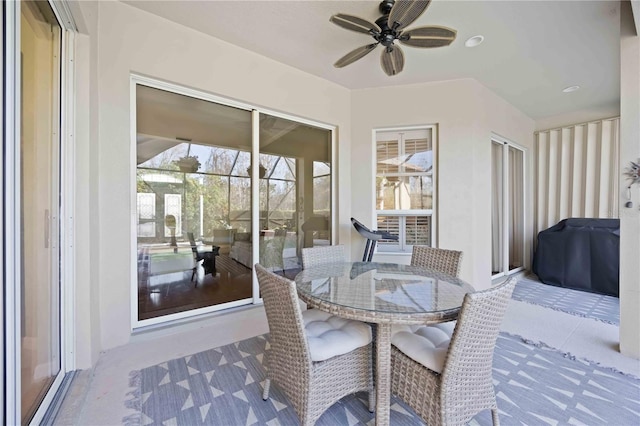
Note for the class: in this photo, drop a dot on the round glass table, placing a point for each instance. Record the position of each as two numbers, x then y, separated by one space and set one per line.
383 294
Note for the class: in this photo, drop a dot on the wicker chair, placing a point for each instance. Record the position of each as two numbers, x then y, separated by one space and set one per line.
452 381
315 369
320 255
441 260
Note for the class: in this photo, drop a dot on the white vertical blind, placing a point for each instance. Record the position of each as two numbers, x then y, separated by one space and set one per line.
577 172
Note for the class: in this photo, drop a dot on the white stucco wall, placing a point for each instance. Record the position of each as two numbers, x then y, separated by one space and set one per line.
466 114
629 217
130 40
87 345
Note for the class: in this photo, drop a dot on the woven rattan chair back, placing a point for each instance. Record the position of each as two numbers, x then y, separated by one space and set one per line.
321 255
311 387
289 347
465 386
441 260
470 355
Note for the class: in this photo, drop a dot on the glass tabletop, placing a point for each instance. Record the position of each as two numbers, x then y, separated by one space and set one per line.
383 288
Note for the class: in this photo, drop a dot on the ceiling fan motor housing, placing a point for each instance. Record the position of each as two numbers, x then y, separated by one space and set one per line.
386 35
385 6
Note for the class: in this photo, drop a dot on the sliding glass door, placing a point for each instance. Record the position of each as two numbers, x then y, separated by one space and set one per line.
199 232
40 198
507 208
193 192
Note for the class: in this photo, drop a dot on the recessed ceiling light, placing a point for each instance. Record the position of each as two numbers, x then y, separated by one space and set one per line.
570 89
474 41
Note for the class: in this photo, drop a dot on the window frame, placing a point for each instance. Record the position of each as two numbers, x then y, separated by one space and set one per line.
136 79
402 247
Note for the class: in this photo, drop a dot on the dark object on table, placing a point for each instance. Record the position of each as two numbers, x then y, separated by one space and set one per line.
581 254
208 258
372 237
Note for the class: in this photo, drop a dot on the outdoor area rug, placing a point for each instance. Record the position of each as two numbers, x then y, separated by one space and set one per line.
575 302
534 384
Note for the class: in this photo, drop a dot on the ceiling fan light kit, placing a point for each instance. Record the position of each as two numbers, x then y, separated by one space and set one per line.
396 15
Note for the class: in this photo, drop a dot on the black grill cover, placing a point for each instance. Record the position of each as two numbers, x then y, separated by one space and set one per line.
582 254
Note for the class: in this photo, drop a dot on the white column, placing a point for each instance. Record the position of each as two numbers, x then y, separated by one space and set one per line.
629 151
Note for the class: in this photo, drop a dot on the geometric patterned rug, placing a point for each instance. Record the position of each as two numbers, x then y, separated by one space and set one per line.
534 384
575 302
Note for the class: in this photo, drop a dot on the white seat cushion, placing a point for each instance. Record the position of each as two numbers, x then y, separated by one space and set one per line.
330 336
426 344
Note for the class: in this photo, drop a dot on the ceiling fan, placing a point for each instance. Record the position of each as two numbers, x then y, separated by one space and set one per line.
396 15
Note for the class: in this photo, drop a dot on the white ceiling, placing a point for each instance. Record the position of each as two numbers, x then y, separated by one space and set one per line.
532 49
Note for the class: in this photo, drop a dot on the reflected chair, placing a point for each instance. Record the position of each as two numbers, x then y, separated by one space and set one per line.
372 237
208 258
320 255
315 358
444 371
272 250
441 260
316 227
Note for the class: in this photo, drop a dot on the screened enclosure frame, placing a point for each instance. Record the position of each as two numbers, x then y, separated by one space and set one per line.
255 220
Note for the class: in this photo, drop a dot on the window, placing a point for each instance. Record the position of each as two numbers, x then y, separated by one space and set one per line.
405 187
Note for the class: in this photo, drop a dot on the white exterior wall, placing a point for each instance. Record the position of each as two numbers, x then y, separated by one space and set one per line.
466 114
132 41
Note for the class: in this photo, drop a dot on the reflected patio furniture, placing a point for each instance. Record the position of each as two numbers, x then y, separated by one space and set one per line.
208 258
316 359
222 238
446 261
272 247
372 237
445 373
316 231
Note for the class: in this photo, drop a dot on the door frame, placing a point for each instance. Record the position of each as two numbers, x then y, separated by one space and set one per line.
506 144
11 107
139 79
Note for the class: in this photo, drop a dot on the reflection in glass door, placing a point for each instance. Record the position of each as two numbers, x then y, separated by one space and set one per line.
40 48
294 174
220 186
194 245
507 208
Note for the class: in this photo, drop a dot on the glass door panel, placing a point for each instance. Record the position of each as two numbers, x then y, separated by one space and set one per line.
40 356
507 208
497 208
295 191
193 203
516 208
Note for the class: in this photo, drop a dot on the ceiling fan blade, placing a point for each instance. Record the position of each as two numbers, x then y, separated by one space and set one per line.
404 12
354 55
354 23
432 36
392 60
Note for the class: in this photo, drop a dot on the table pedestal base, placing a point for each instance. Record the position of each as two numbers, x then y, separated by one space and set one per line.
383 373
